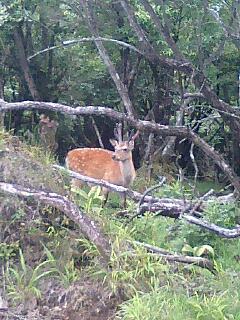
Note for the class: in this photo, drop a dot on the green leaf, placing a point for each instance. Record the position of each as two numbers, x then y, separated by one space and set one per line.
80 192
205 249
187 248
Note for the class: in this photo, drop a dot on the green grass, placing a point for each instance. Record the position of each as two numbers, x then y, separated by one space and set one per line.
166 304
151 288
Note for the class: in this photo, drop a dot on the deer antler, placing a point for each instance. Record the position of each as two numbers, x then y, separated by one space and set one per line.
133 136
118 132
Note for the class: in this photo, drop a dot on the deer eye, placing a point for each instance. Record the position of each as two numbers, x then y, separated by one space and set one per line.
125 149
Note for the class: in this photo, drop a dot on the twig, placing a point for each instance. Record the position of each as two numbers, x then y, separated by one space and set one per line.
97 133
139 211
195 167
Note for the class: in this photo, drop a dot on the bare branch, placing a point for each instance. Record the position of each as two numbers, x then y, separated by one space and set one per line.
142 125
195 95
164 29
145 44
195 166
118 133
182 64
149 190
164 204
223 232
172 208
88 39
169 147
97 133
228 31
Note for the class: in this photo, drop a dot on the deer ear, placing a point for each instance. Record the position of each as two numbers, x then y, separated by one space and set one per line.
113 142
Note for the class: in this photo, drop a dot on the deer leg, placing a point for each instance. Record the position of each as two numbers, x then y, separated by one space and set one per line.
124 200
105 193
76 183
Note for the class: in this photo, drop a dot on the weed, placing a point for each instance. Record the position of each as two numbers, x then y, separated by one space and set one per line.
23 282
66 274
132 268
8 251
165 304
90 201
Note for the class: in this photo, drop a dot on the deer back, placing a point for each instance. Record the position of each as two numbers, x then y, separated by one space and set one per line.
95 163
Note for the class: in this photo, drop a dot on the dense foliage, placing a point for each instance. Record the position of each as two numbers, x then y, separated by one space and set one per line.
175 63
76 74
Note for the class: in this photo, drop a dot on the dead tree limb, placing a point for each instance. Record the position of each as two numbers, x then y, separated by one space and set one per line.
97 133
87 226
168 207
223 232
142 125
172 208
173 257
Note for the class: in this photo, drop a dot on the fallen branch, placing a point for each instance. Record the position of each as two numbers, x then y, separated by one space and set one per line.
172 208
87 226
168 207
173 257
223 232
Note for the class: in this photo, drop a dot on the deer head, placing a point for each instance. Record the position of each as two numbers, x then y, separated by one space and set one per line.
123 148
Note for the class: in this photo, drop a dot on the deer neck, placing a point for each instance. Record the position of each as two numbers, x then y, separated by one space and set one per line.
128 171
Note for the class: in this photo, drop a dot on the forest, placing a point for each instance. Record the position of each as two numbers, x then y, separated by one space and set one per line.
119 159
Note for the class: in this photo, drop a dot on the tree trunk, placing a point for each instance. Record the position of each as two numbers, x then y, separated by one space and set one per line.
1 97
23 62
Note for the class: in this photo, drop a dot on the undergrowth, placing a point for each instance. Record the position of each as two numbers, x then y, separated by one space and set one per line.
149 287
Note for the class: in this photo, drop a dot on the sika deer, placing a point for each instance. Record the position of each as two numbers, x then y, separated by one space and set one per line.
115 167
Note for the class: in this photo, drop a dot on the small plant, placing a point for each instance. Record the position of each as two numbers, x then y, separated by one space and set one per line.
23 282
209 308
175 190
133 269
66 274
142 307
89 248
164 303
89 201
69 274
7 251
46 157
198 251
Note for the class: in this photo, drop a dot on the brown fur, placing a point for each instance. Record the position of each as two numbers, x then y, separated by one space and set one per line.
115 167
